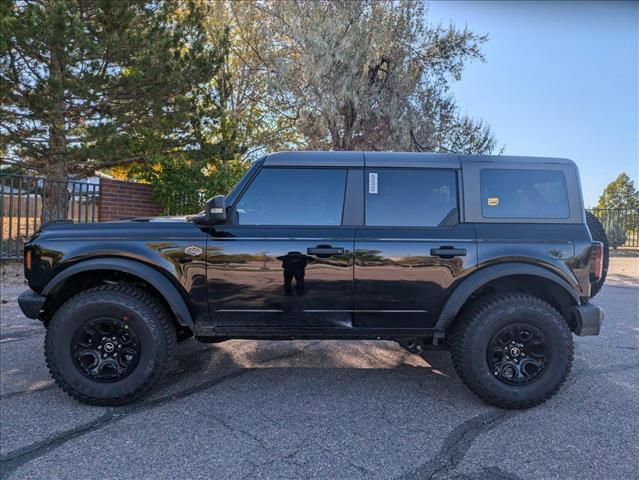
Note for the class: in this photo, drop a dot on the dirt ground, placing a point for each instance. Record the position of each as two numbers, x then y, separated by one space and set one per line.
623 271
11 275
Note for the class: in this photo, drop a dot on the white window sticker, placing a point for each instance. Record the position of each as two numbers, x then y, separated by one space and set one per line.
372 183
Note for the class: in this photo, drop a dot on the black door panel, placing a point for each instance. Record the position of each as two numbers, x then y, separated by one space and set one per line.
265 277
399 283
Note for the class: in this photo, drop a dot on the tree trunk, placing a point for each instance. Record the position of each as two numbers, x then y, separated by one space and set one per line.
56 193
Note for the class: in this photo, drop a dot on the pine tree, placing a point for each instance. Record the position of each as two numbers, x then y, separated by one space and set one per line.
620 193
87 84
618 209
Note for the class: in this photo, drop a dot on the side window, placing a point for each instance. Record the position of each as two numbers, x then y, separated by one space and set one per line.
523 194
293 196
411 197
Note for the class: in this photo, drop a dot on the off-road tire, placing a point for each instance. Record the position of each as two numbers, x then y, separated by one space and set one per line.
473 330
598 234
146 316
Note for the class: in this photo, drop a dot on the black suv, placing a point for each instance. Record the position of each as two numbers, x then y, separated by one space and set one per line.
488 256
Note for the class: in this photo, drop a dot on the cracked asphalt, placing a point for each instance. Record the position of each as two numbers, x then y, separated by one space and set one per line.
325 409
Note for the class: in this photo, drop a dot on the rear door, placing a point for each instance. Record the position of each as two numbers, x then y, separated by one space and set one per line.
413 248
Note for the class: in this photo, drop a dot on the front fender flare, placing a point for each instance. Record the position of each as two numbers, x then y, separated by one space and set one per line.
160 282
487 274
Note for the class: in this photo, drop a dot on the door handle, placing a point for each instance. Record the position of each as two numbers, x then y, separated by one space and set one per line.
325 251
448 252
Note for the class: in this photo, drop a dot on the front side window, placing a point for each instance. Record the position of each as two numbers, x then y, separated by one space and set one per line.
411 197
523 194
294 196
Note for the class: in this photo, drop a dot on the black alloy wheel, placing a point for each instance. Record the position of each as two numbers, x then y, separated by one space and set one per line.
105 349
517 354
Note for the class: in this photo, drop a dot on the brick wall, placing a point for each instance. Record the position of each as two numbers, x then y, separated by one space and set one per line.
120 199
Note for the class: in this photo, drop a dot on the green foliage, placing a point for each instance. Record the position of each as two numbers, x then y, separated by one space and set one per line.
622 196
90 84
182 185
620 193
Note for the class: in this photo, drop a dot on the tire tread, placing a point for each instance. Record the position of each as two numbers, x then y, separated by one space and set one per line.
160 314
474 319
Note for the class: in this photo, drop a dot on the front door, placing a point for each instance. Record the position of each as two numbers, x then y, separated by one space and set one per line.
283 259
412 249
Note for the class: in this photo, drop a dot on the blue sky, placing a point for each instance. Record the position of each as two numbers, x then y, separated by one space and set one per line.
560 80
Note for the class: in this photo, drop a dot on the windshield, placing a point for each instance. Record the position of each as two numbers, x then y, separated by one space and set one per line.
237 189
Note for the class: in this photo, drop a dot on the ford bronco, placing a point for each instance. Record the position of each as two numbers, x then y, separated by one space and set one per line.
488 256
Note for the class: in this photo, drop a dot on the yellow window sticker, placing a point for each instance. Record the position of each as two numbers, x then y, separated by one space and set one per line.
493 201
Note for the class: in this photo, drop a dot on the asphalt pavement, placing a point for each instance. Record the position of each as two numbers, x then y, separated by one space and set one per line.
324 409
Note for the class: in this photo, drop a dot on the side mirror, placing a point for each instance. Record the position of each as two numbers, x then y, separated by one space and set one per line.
215 209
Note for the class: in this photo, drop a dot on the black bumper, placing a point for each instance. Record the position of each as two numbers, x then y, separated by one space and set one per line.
588 319
31 303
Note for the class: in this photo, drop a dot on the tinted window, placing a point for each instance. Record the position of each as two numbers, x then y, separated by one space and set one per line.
523 194
410 198
294 196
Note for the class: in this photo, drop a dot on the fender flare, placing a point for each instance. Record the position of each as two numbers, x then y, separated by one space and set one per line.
155 278
487 274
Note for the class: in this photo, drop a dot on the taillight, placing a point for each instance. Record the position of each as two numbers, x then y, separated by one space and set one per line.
596 261
27 261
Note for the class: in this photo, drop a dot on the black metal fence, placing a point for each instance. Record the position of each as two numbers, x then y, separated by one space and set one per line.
27 202
621 225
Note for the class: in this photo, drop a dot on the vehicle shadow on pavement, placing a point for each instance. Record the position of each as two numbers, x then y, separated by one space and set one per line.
197 363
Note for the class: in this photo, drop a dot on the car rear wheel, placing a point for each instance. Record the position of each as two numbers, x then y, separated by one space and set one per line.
110 344
512 350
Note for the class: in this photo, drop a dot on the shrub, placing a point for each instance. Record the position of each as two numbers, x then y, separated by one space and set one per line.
617 234
182 185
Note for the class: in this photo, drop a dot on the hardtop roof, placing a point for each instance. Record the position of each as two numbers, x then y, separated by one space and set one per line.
395 159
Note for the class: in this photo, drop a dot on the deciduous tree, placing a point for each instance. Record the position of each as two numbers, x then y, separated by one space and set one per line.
368 74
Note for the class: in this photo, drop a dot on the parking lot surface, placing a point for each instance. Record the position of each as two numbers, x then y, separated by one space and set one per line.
326 409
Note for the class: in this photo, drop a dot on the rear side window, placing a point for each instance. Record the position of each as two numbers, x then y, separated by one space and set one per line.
523 194
411 197
293 196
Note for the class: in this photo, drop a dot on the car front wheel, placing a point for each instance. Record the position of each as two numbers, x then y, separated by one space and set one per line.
110 344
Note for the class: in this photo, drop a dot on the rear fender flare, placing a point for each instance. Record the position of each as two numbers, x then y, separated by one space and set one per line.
487 274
